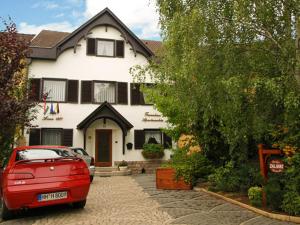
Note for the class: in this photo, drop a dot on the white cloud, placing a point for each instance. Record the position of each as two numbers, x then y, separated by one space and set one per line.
46 4
59 15
136 14
64 26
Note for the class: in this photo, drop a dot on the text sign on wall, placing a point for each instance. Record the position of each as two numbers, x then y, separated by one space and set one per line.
276 165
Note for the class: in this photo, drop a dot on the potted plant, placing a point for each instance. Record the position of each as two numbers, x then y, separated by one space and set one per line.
153 151
123 165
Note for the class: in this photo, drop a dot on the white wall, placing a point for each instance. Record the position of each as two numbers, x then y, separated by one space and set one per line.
79 66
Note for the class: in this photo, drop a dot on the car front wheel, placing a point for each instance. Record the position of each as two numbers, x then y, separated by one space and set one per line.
5 212
79 205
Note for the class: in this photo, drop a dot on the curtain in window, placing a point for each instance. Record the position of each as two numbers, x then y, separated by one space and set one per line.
51 137
104 92
153 137
56 90
105 48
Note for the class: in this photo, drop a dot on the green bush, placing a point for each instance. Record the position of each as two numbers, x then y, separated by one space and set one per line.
274 191
232 178
153 151
190 166
255 196
291 197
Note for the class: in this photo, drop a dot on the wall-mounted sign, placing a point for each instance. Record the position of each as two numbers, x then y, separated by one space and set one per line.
276 165
153 116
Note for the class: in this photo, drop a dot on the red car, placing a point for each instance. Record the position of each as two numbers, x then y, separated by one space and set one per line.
37 176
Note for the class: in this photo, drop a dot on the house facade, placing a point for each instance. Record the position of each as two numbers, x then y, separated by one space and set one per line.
87 95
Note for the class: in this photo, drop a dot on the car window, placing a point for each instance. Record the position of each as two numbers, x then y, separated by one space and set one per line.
29 154
80 151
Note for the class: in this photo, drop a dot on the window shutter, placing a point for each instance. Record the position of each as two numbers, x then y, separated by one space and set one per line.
34 136
86 91
91 46
167 141
122 93
35 89
73 91
68 137
139 139
135 94
119 48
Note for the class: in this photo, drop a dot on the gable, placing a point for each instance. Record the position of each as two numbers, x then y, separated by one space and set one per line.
56 43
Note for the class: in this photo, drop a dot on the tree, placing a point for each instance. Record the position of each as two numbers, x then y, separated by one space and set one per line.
16 108
227 72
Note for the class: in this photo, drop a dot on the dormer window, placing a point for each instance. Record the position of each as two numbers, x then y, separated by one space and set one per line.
105 47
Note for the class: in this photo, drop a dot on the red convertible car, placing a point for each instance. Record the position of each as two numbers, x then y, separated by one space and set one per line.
37 176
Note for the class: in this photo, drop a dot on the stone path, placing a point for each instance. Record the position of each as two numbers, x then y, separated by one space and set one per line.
193 207
135 200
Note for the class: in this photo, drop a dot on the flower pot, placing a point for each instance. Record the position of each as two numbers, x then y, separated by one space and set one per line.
123 168
165 179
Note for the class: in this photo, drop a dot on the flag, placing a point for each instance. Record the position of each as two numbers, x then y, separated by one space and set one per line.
57 108
52 109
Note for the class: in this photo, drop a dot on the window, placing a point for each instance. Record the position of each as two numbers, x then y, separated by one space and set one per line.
55 90
105 48
138 97
32 154
104 92
153 137
52 136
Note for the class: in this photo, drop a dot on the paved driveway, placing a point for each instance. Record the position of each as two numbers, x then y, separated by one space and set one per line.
135 200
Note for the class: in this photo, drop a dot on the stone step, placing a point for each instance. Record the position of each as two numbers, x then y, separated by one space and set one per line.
112 173
106 169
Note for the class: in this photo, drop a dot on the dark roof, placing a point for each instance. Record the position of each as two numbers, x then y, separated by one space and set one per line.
155 46
105 110
49 38
49 44
26 37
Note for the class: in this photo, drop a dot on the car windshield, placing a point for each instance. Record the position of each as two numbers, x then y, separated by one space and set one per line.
30 154
80 151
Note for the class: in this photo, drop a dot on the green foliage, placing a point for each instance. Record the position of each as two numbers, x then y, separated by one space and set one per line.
227 72
255 196
234 178
153 151
274 191
190 166
291 197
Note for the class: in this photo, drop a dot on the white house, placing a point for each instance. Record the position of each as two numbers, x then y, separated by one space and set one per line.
86 92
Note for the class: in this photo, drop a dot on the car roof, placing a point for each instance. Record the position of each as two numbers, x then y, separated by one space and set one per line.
39 147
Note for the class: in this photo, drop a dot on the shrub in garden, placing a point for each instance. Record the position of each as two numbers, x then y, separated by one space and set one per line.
274 191
153 151
291 197
232 178
190 165
255 196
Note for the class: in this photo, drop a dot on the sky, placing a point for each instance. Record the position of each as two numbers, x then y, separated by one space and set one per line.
32 16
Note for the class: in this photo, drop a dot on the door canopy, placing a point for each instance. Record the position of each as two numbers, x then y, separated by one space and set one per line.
106 111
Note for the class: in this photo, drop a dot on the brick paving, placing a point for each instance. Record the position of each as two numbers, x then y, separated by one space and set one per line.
135 200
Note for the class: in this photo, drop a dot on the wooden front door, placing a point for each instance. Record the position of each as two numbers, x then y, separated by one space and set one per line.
103 148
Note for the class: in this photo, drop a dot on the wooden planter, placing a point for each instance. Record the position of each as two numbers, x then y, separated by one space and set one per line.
165 179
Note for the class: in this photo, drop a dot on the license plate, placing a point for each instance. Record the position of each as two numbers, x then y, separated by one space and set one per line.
52 196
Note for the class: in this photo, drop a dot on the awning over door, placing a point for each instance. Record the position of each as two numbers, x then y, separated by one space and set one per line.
105 111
